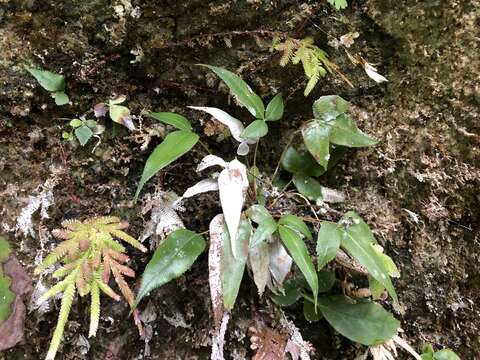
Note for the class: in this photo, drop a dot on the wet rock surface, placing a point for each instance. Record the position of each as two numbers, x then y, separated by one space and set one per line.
418 188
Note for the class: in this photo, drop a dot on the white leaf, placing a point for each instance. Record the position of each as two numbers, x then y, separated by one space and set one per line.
332 196
296 346
234 125
243 149
211 160
402 343
214 267
233 184
259 260
219 339
280 262
201 187
372 73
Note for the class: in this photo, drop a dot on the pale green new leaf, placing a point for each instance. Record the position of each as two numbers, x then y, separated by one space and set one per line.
264 230
445 354
357 240
173 257
296 223
176 120
364 322
345 132
299 252
170 149
274 110
5 250
48 80
339 4
241 91
329 107
328 243
6 297
83 134
60 98
234 267
316 135
255 130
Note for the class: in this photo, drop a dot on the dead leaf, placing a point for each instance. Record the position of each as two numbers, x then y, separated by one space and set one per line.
280 262
12 329
296 346
214 268
268 343
259 259
211 160
201 187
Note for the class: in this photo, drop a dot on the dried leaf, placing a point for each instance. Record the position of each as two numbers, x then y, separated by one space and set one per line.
268 343
214 267
211 160
259 259
280 262
372 73
201 187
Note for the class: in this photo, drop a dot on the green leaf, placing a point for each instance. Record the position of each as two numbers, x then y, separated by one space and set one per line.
170 149
326 280
258 213
296 223
118 112
91 124
6 298
358 240
234 267
241 91
376 288
316 135
60 98
274 110
329 107
76 123
445 354
176 120
364 322
308 187
328 243
339 4
299 252
264 230
345 132
83 134
309 311
5 250
300 163
255 130
292 291
48 80
173 257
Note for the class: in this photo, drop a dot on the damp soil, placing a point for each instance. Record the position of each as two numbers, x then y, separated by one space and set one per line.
418 189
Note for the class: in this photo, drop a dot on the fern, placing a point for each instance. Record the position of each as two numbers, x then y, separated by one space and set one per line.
314 60
339 4
89 254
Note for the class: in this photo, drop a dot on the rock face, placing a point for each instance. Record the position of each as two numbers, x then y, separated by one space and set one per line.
418 189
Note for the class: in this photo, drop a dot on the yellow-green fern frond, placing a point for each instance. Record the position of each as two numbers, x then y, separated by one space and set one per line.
129 239
107 290
287 48
57 288
94 309
56 254
102 220
109 243
71 224
65 308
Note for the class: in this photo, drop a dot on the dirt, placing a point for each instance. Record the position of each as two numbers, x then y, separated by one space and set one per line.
417 189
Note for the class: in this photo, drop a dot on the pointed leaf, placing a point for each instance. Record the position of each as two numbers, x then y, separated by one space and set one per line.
445 354
308 187
201 187
233 267
296 223
233 184
173 257
316 135
255 130
280 262
173 146
364 322
328 243
264 230
60 98
6 297
309 311
48 80
291 293
83 134
299 252
301 163
216 231
274 110
241 91
357 240
258 213
176 120
345 132
329 107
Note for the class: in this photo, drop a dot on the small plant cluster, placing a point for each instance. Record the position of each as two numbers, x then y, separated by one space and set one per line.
89 254
6 295
252 231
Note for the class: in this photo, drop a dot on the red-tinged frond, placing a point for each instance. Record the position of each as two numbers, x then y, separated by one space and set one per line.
64 248
124 270
123 286
107 290
138 322
71 224
106 270
123 258
62 234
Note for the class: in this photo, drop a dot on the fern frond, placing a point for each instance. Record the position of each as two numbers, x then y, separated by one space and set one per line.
311 84
129 239
124 270
71 224
107 290
94 309
56 254
57 288
65 308
65 269
123 258
62 234
109 243
102 220
287 47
